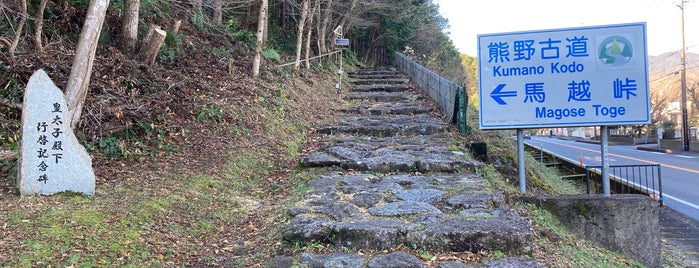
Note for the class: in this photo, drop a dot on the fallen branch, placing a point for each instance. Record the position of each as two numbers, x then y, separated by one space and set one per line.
7 155
5 42
7 103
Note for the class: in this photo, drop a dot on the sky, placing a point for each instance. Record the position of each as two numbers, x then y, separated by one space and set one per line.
468 18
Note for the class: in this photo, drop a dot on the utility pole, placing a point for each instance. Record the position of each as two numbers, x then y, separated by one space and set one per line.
683 79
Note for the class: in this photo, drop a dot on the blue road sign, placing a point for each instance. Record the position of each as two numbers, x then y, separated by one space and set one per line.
498 94
585 76
341 42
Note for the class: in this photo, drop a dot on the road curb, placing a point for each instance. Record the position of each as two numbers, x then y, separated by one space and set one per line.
666 151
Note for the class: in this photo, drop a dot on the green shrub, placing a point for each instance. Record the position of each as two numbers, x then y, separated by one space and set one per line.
171 46
211 114
200 20
230 29
111 146
270 53
351 56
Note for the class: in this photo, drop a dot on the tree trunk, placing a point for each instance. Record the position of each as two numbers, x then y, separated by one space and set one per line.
343 21
261 25
18 32
176 26
150 49
79 79
319 17
40 26
218 12
299 34
250 15
149 35
129 26
322 34
309 33
265 35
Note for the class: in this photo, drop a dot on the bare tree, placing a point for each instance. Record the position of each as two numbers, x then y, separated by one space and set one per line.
343 20
265 33
261 25
322 33
40 26
129 26
18 32
692 89
299 34
218 12
310 31
79 79
658 106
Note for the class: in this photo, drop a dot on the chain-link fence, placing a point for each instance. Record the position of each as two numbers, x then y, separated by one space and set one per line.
441 90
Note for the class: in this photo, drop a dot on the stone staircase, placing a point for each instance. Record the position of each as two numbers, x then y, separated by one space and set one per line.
401 189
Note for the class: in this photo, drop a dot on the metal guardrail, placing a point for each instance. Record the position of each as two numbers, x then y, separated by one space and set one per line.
645 179
311 58
441 90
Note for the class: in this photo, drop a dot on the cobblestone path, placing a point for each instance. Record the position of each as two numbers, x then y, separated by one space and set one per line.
399 188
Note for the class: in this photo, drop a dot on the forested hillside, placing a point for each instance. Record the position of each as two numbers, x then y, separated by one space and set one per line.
44 34
665 83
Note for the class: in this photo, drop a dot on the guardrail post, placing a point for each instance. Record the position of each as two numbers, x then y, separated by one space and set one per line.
541 154
587 179
462 109
660 187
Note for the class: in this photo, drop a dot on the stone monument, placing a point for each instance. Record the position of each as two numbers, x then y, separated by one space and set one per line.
50 158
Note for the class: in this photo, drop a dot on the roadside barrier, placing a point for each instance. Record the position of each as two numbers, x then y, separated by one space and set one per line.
628 179
311 58
450 96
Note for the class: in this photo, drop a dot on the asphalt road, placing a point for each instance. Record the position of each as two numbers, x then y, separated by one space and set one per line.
680 170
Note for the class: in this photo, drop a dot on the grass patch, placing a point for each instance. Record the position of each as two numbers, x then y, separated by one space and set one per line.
74 230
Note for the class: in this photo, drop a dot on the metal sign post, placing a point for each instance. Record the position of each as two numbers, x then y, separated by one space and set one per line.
339 79
605 161
571 77
520 161
339 41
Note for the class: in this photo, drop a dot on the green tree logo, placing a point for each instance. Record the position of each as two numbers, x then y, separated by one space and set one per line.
615 51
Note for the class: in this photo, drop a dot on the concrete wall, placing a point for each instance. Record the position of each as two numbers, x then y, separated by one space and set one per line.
676 145
628 224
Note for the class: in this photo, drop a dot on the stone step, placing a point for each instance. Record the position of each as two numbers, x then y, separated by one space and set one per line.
374 71
387 108
375 76
385 126
381 88
383 96
383 260
389 81
435 212
389 155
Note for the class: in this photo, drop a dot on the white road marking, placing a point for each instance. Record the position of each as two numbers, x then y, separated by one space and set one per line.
680 200
685 156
